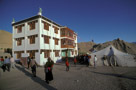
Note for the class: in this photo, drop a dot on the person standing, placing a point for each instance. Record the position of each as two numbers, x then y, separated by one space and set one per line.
28 61
12 62
75 61
7 63
89 60
48 70
67 64
33 65
95 60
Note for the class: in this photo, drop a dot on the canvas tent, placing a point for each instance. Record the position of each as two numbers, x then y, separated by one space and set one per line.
122 59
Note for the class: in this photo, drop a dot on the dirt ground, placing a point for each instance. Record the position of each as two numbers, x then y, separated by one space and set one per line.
78 78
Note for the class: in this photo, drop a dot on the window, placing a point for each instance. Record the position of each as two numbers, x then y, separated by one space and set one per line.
46 25
32 25
62 32
46 39
19 42
72 52
56 53
56 29
19 29
63 42
46 53
18 55
32 40
32 54
75 37
56 41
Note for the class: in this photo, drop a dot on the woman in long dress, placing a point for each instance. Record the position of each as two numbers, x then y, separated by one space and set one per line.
48 70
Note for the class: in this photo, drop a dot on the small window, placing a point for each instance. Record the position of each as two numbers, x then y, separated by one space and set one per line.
18 55
46 54
56 29
72 52
32 25
32 40
19 42
56 41
46 26
19 29
75 37
32 54
46 39
56 53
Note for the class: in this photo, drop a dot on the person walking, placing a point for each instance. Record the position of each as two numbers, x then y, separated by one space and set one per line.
1 61
3 66
48 70
33 65
7 63
95 60
67 64
75 61
12 62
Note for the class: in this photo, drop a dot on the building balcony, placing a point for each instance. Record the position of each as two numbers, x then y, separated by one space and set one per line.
67 46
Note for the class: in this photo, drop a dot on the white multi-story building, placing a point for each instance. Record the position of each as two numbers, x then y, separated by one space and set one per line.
41 37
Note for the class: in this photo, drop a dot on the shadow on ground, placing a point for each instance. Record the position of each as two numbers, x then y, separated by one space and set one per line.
115 75
36 79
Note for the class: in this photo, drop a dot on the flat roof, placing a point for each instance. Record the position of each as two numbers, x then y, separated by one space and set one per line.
35 17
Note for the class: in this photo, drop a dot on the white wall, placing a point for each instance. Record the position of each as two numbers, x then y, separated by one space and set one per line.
34 46
20 47
39 41
21 34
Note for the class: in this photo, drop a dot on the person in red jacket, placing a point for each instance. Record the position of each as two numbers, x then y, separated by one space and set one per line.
67 64
75 61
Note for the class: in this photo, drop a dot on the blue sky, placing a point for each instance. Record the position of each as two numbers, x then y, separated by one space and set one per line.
100 20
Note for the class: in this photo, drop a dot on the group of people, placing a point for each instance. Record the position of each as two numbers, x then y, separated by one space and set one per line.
83 59
7 63
48 67
86 59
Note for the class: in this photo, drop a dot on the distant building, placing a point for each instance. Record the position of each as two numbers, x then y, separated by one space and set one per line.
41 37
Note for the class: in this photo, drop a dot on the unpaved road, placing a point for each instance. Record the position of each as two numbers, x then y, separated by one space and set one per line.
78 78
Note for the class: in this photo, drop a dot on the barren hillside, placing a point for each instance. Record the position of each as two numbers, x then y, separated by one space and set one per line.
5 39
117 43
84 47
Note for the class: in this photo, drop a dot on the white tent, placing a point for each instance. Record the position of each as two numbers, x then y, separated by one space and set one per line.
122 59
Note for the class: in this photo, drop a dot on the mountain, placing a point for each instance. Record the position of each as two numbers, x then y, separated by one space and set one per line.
134 42
84 47
117 43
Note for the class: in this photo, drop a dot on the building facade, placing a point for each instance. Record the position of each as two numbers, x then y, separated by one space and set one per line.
40 37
